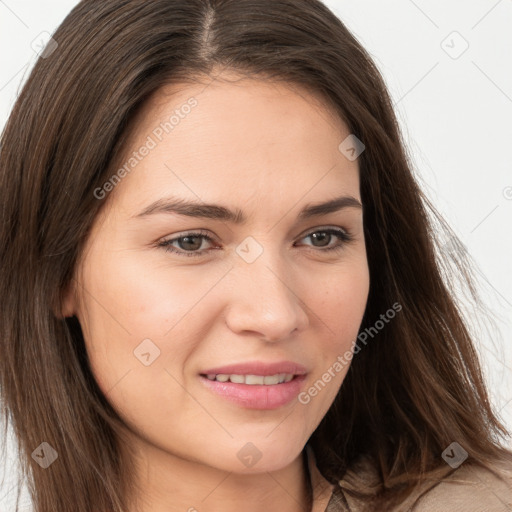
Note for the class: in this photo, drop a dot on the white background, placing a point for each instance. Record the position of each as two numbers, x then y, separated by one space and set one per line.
455 110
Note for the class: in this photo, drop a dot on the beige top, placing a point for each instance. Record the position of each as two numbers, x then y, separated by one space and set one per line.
467 489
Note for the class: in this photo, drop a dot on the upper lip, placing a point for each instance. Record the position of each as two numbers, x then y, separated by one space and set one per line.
258 368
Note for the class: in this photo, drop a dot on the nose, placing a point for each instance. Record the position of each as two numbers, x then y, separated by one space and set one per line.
264 302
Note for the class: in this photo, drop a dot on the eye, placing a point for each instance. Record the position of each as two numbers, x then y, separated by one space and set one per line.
323 236
190 244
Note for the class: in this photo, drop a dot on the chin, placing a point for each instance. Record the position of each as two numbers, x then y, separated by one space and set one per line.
258 456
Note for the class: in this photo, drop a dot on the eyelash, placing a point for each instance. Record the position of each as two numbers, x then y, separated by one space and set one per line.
344 236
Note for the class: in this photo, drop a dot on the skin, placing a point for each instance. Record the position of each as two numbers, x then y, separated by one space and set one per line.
268 149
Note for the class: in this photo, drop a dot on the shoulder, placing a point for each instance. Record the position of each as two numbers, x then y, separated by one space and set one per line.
470 488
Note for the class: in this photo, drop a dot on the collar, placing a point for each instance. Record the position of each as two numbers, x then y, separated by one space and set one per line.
322 489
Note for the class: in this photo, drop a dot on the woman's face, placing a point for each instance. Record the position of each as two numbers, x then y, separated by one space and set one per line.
264 291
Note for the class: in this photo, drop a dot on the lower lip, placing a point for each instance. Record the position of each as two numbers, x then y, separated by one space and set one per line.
256 396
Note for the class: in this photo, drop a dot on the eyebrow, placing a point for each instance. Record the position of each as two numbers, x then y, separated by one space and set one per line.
219 212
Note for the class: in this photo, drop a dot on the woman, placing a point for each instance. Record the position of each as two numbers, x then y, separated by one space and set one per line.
304 353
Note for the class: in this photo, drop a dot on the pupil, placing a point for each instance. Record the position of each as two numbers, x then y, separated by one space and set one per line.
186 240
323 235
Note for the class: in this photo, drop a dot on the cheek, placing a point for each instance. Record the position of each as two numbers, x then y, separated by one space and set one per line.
339 309
341 302
137 313
145 297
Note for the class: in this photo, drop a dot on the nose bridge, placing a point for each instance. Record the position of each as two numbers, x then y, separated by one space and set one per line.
264 300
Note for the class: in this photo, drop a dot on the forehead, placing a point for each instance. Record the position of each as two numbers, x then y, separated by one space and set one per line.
239 108
230 134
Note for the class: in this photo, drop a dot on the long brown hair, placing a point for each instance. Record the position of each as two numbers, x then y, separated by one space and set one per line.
416 388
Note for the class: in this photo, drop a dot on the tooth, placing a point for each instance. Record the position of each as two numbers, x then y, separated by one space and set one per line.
253 379
271 379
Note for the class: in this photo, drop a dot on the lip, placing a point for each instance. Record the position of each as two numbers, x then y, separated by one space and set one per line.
258 368
255 396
